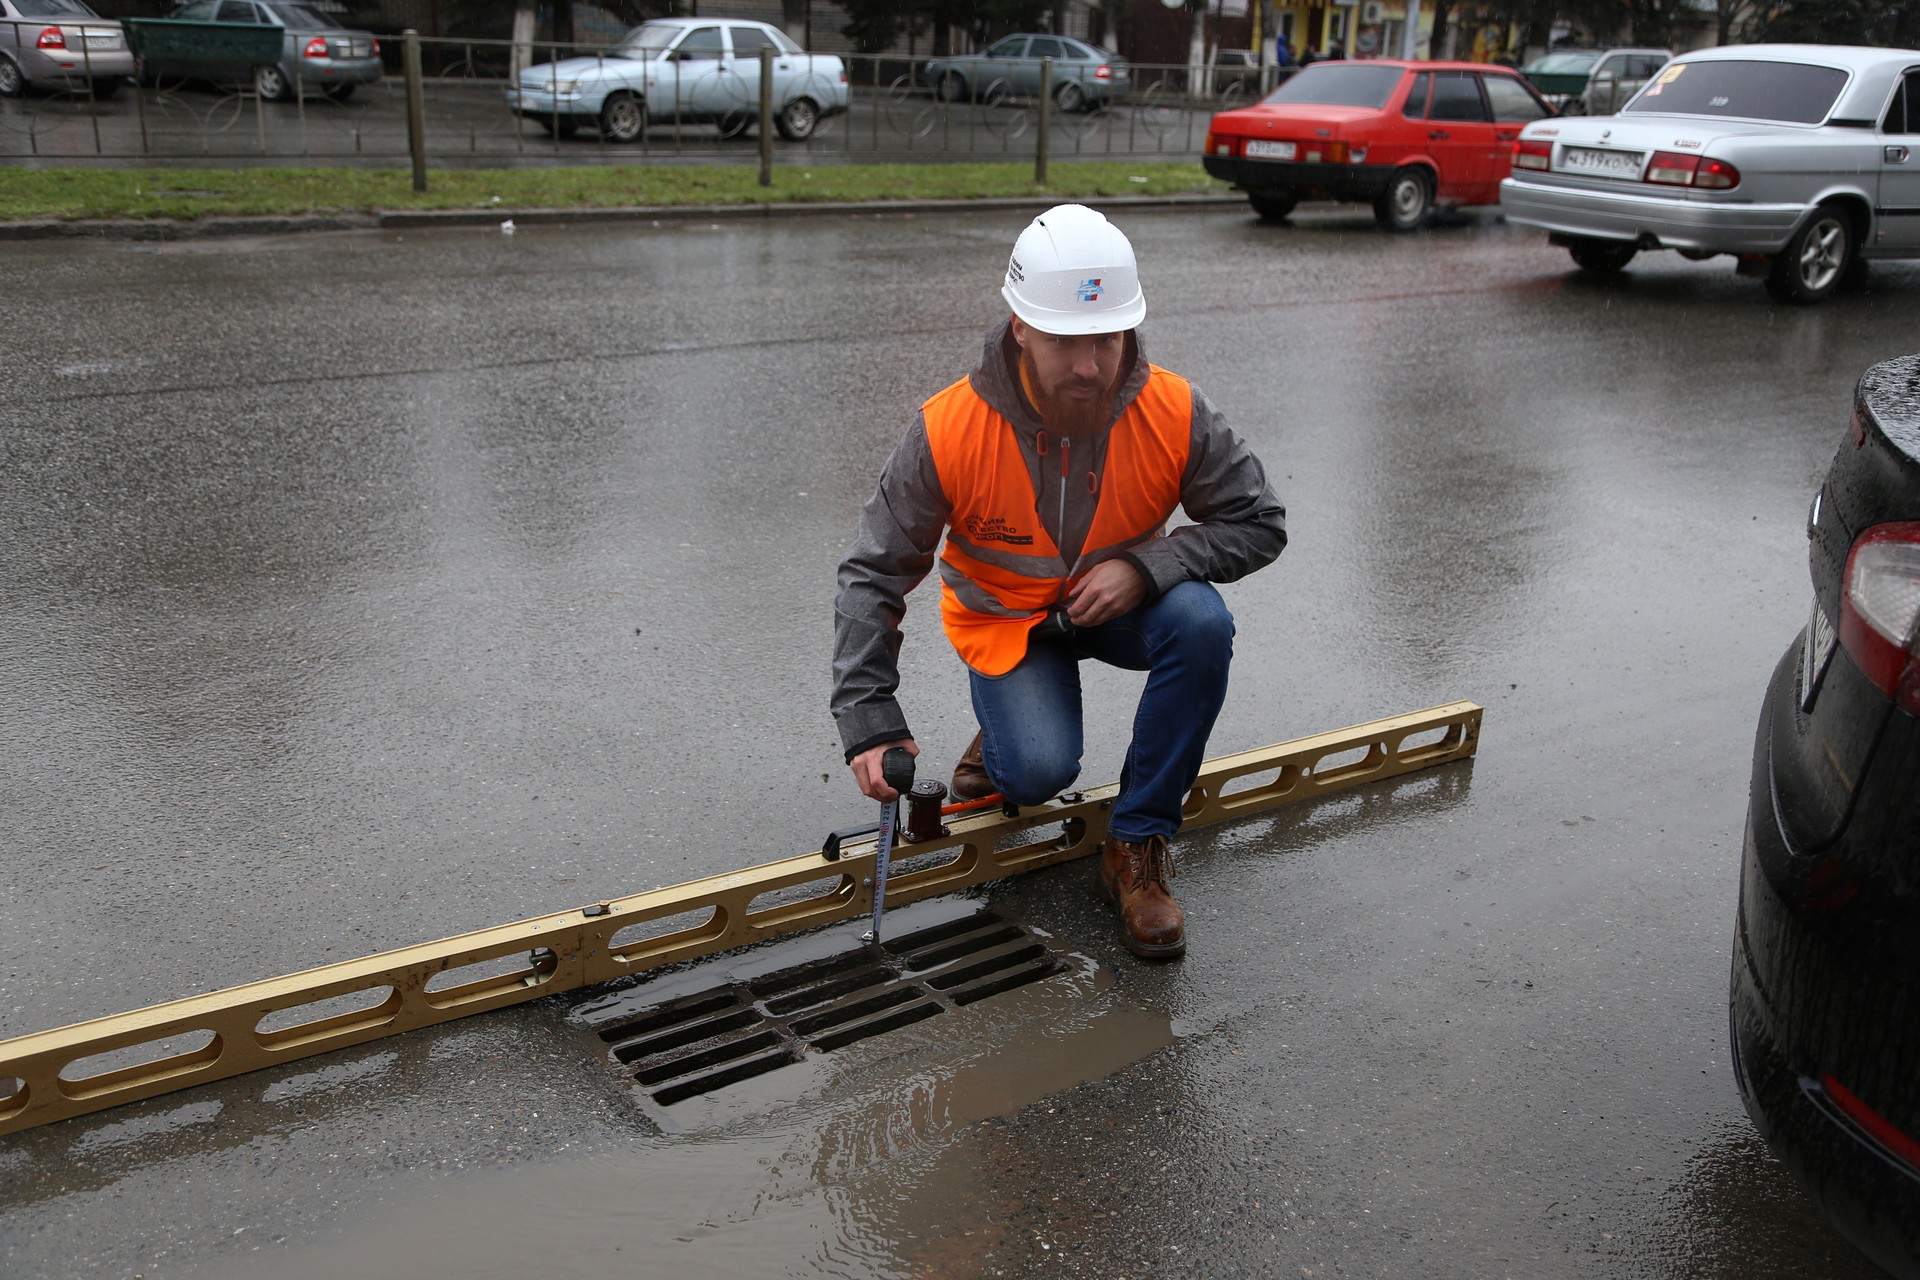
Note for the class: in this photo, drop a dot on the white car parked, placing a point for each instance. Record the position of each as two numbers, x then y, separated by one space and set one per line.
1798 159
687 71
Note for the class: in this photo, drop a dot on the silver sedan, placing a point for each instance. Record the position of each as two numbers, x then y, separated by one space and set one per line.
317 54
1084 77
1797 159
62 45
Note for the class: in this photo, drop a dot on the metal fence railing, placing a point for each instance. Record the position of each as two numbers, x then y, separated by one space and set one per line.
598 107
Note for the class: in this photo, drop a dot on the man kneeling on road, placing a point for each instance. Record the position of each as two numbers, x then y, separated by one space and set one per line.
1053 469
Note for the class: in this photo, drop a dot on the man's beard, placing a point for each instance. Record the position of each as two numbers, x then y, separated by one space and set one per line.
1065 414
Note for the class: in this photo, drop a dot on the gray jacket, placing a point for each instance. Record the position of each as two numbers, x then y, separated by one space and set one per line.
1239 526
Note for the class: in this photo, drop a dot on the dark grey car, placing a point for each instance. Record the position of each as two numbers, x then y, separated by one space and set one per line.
1084 76
1616 77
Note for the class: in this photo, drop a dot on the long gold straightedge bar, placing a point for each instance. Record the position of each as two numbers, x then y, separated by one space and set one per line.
53 1075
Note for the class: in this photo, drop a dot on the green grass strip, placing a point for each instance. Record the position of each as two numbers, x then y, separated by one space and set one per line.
32 194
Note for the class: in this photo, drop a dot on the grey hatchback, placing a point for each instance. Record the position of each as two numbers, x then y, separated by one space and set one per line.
1084 76
316 51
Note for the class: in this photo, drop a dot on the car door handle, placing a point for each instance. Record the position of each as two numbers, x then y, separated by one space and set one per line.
1895 155
1506 137
1439 133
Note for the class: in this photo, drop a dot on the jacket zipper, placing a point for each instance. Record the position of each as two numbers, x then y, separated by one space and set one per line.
1060 518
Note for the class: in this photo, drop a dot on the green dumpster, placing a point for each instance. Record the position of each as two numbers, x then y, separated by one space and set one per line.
201 50
1561 75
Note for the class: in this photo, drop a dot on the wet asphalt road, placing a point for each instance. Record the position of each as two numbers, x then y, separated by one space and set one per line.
368 588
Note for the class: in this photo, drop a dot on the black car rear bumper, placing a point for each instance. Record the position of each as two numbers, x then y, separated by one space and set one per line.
1811 999
1302 181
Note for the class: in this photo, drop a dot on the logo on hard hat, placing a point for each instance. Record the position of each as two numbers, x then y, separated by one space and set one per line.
1090 289
1014 273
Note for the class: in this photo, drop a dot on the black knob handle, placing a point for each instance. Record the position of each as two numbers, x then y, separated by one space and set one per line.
896 766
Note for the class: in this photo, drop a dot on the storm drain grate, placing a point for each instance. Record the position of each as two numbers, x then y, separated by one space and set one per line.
700 1044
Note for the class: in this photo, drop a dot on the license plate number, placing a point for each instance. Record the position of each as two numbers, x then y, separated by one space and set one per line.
1608 164
1265 150
1813 656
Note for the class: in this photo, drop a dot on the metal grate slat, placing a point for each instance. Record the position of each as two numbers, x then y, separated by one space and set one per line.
672 1055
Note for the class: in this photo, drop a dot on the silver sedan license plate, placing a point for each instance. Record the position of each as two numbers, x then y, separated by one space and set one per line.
1260 148
1607 164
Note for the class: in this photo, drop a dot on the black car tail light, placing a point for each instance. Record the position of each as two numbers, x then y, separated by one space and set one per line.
1884 1131
1828 887
1880 609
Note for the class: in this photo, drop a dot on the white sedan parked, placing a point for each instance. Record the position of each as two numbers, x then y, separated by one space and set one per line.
683 71
1800 160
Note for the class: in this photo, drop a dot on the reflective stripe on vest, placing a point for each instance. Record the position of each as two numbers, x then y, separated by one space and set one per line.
1000 570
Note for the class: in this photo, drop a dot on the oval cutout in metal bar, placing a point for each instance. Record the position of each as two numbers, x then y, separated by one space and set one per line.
142 1063
337 1015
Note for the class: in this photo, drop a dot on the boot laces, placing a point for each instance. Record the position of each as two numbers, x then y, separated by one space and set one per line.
1150 861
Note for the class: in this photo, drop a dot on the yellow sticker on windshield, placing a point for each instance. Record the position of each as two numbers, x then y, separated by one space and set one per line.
1672 73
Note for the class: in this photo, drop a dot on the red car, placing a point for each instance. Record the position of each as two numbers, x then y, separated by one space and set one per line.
1409 137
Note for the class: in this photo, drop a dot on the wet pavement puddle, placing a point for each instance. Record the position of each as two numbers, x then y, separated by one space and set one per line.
810 1169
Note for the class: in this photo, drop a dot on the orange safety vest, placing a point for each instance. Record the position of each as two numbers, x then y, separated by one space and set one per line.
1000 571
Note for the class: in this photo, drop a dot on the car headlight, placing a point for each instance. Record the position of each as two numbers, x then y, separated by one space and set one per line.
558 87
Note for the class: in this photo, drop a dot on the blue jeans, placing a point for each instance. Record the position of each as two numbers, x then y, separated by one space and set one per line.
1031 716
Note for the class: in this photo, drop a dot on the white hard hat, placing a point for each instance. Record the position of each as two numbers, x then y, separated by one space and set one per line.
1073 273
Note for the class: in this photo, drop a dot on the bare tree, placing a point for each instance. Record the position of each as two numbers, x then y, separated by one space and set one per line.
1730 18
1437 42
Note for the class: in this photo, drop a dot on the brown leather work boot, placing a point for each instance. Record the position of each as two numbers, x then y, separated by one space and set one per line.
1134 878
970 780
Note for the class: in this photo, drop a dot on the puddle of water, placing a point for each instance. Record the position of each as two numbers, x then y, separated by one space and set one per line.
818 1169
122 1133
